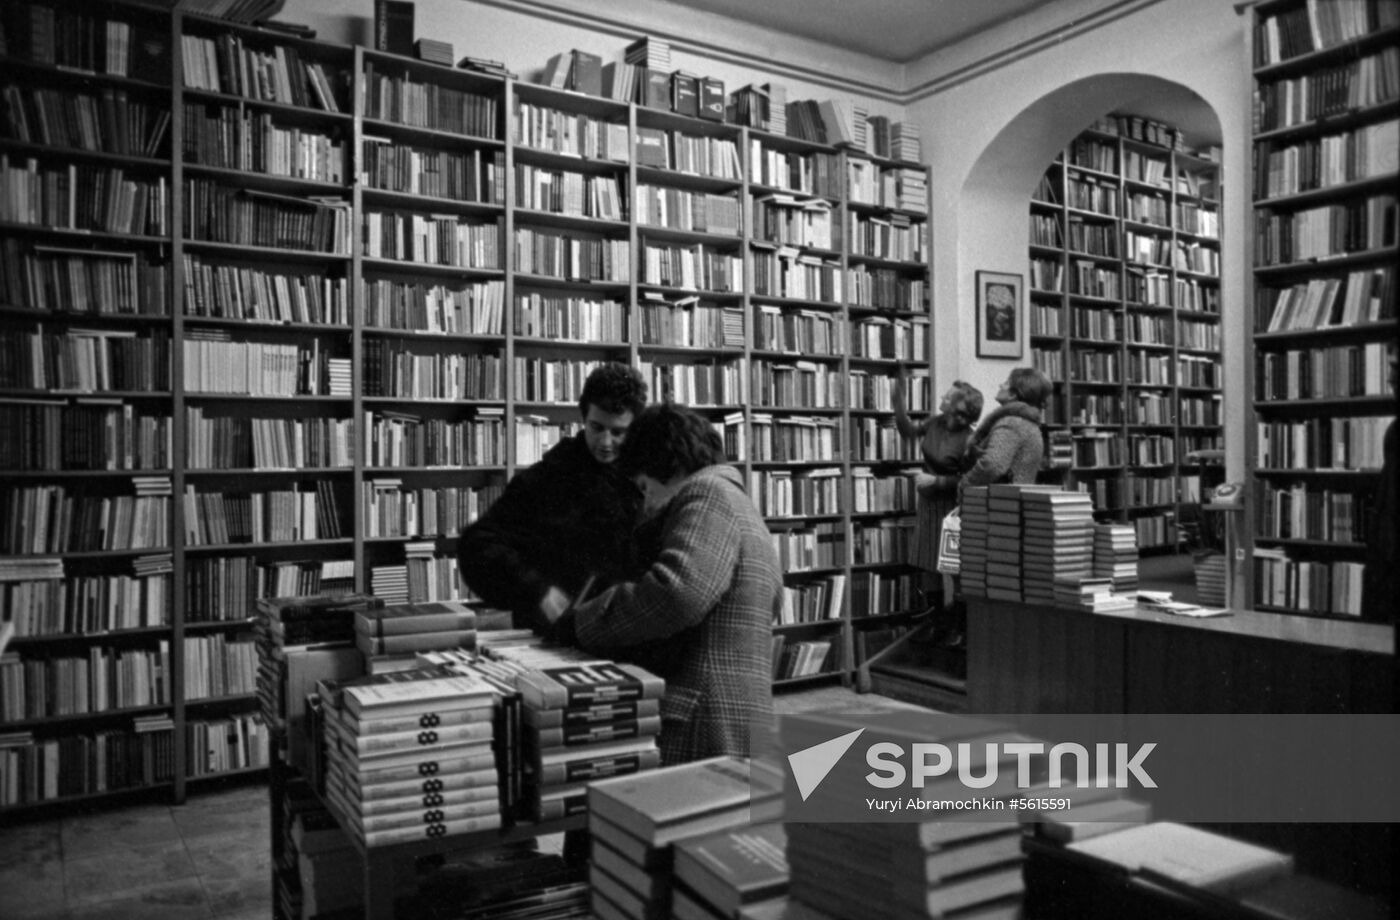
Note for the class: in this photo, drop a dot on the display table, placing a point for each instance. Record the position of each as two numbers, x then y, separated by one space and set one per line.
1030 658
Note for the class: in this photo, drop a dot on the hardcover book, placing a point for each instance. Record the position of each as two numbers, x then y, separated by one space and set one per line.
661 806
587 684
393 26
736 866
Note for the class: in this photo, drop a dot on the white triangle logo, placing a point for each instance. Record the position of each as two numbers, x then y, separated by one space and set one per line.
811 765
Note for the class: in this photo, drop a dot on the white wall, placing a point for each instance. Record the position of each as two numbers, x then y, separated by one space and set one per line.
992 121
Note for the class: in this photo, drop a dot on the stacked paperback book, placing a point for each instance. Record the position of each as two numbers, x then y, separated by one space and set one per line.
1004 539
1116 555
635 820
583 721
1058 541
1093 594
973 544
390 637
410 755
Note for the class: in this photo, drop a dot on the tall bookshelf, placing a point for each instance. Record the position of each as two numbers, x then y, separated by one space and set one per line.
1125 317
330 299
1326 155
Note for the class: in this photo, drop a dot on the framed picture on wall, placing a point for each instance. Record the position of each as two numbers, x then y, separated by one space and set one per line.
999 320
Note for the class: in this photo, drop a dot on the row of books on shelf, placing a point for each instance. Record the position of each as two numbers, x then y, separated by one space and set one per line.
39 684
1338 372
1362 82
1355 443
1361 296
1313 26
1304 512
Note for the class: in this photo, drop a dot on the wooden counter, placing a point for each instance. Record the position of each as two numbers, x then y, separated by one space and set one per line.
1036 658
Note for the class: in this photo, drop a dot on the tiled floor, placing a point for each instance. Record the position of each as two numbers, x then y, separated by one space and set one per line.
206 858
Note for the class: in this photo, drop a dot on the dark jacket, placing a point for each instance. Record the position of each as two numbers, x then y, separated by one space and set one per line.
558 522
1007 447
708 599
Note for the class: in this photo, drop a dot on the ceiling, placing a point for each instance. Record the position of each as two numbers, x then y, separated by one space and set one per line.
894 30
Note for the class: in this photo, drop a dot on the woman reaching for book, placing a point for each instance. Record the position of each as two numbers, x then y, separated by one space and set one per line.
701 615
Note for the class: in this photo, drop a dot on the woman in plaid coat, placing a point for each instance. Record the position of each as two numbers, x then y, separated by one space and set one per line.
701 615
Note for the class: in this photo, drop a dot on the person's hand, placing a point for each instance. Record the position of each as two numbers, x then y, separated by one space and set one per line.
554 603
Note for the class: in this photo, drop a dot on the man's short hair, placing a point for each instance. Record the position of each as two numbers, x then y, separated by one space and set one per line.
666 440
1031 386
615 388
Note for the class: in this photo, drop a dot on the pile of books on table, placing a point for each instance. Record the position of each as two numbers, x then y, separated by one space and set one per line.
636 820
410 755
1116 555
391 637
1058 541
1094 594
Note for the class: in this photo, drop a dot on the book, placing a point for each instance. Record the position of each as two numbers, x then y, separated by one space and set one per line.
431 719
736 866
422 801
432 830
393 26
656 89
586 684
591 715
433 616
1187 855
409 642
470 772
711 103
661 806
637 851
624 899
568 736
1093 819
367 746
378 700
685 94
650 886
586 73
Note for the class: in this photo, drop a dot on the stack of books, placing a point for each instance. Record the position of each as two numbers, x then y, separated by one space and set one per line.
904 142
777 107
390 637
390 582
1210 579
912 191
718 874
1004 538
1095 594
651 59
1116 555
650 52
634 820
972 546
434 51
409 755
301 640
1058 541
583 721
909 869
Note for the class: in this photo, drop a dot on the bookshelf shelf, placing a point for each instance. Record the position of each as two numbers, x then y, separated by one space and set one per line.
1311 563
1116 339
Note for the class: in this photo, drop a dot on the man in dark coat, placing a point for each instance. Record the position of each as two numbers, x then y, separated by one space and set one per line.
567 518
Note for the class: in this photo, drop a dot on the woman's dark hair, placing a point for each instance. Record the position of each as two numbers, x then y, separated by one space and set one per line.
967 402
667 440
1031 386
615 388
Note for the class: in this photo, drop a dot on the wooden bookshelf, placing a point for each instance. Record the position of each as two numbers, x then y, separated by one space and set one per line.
1324 297
1125 317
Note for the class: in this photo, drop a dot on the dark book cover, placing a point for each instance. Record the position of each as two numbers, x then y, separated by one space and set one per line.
656 93
586 74
393 26
685 93
712 98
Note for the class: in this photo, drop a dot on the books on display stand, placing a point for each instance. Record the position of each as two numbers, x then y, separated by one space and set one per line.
973 544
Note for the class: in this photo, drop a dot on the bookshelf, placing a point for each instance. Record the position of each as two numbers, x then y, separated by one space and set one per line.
330 299
1325 246
1125 317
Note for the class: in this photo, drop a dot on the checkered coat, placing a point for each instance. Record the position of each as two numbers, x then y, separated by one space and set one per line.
701 616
